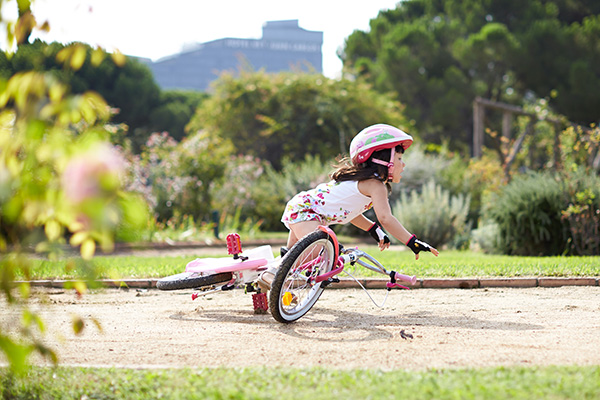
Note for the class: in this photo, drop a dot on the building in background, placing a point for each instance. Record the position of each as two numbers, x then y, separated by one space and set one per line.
284 46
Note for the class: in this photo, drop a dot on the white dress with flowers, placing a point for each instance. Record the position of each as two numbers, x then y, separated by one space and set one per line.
329 203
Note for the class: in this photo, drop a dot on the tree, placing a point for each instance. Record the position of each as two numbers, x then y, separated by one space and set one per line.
174 112
272 116
438 55
125 83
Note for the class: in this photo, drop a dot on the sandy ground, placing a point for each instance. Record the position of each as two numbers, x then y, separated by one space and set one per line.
417 329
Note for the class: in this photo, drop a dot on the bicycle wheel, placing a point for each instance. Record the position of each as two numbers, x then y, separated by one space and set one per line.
191 280
293 291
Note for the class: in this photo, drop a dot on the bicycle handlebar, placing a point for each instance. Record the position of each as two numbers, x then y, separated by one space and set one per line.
410 279
354 255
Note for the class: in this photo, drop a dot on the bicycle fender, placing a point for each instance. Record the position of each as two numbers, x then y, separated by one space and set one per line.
331 233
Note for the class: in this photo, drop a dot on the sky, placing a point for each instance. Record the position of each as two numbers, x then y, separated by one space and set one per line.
156 29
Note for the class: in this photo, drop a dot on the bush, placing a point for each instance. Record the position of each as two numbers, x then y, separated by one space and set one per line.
582 212
485 238
176 178
478 177
420 167
235 193
460 176
434 215
548 214
528 214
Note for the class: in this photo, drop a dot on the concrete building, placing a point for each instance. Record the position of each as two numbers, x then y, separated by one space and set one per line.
284 46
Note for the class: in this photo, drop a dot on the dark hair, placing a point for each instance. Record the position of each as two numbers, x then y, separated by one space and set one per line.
346 171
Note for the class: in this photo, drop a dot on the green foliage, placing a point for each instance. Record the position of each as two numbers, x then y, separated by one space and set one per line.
125 83
296 176
135 94
183 228
421 166
485 238
237 188
272 116
479 178
437 56
580 146
434 215
475 178
188 181
60 180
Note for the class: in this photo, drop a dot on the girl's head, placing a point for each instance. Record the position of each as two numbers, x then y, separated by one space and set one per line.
346 170
377 137
375 152
389 169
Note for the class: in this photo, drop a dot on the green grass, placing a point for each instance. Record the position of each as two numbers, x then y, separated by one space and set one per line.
297 384
472 264
448 264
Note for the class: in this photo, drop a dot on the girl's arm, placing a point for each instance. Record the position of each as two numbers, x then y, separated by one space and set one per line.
374 230
362 222
377 191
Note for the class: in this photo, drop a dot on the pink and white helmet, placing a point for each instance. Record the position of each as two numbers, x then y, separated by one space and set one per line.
378 137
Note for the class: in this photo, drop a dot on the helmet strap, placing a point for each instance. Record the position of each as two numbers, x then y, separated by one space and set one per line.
389 164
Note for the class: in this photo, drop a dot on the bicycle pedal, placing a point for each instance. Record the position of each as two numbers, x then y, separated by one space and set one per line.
260 303
329 282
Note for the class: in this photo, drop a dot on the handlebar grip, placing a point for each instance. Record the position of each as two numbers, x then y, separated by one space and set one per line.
410 279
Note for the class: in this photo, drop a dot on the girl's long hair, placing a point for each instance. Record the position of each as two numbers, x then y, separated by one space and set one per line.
346 171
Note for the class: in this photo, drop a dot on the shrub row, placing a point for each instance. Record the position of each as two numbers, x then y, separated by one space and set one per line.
547 213
440 197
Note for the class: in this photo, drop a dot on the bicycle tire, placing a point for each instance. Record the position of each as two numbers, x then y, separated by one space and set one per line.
191 280
296 281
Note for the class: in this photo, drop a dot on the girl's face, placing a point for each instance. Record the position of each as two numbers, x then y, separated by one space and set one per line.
398 167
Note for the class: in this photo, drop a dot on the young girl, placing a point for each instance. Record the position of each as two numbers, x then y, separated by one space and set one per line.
358 184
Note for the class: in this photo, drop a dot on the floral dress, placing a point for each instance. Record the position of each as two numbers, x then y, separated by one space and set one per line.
329 203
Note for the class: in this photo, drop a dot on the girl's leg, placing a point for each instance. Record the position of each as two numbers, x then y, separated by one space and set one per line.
299 230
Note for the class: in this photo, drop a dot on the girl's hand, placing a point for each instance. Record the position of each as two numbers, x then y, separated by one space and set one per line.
383 245
380 237
417 246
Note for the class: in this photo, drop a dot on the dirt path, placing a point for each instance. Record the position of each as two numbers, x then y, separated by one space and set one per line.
449 328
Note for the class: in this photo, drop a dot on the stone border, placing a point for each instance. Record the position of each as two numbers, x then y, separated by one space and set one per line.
427 283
